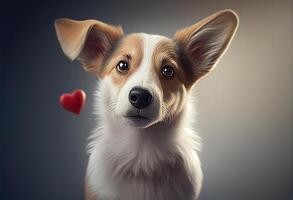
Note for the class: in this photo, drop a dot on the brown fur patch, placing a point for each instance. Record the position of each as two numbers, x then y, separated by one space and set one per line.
174 89
131 50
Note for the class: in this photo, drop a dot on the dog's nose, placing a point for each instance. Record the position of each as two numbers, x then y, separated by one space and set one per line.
140 98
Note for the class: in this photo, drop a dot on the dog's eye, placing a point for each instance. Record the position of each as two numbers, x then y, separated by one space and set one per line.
122 66
167 71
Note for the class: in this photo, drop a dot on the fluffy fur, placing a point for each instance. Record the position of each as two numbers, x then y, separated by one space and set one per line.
154 157
127 163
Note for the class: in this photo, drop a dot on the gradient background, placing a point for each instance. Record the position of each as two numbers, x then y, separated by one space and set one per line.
245 106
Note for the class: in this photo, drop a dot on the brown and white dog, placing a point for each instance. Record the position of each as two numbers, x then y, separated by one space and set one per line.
145 147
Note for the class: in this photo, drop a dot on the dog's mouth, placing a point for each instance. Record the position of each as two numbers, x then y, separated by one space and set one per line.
137 117
138 120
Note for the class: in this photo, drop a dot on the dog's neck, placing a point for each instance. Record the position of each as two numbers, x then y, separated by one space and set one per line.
136 149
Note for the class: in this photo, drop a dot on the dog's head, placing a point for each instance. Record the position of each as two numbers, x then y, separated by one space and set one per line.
146 78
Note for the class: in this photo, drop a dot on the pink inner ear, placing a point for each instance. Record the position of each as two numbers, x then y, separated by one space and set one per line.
98 42
94 47
87 40
205 42
206 46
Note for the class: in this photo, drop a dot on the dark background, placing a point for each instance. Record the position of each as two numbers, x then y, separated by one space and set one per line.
245 107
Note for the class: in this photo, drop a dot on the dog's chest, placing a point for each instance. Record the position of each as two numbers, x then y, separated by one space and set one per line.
150 175
126 168
170 181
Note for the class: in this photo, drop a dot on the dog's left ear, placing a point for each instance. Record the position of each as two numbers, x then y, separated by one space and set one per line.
201 45
88 41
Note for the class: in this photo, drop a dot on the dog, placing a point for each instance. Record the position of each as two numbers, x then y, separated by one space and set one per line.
145 146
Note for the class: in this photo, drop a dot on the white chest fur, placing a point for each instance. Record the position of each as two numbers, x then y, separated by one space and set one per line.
156 163
127 163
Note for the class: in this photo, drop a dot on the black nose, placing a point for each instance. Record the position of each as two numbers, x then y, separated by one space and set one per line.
140 98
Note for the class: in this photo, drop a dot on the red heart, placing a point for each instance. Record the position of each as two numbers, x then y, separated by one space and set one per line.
73 102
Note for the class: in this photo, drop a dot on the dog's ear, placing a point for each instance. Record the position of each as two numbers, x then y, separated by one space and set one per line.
88 41
202 44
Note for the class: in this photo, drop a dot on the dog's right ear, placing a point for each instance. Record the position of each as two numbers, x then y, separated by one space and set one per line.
88 41
204 43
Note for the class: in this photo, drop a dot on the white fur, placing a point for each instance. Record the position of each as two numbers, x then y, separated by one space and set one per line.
143 77
157 162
